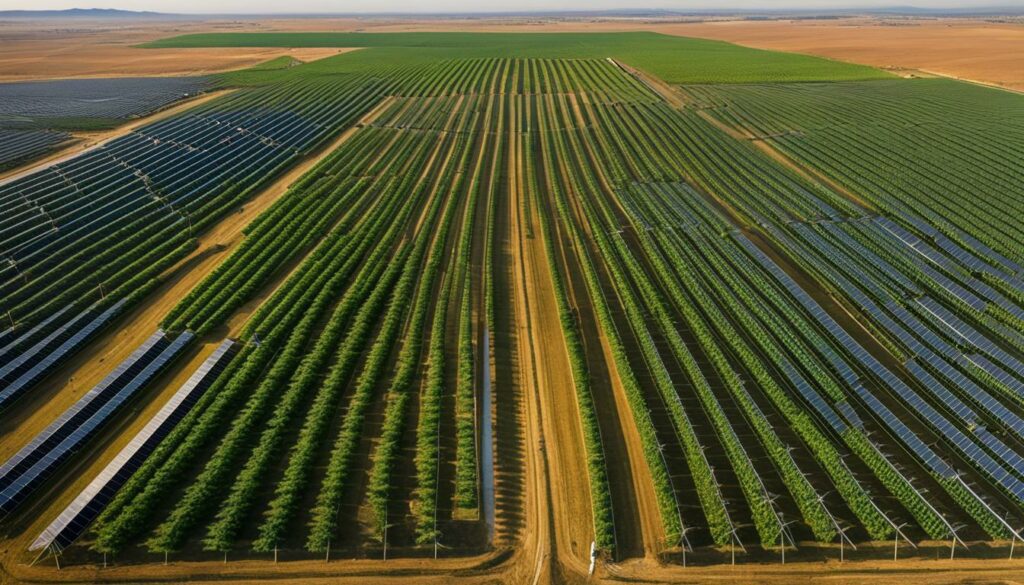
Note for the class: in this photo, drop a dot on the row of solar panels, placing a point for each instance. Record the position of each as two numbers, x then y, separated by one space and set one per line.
16 342
904 433
995 371
931 338
30 466
965 261
968 447
838 259
172 174
971 335
945 369
968 415
19 145
21 373
976 393
973 258
74 520
880 264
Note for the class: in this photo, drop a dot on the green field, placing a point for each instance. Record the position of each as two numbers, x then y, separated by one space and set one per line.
673 59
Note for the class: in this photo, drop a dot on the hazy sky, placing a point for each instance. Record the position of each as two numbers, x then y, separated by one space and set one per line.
294 6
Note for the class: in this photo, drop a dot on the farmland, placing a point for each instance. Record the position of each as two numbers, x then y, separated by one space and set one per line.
532 301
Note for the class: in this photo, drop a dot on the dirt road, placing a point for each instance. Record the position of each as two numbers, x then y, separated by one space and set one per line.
558 489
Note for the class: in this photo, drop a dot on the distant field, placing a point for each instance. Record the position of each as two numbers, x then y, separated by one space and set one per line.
673 59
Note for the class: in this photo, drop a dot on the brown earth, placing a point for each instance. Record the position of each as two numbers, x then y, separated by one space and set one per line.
972 50
558 493
985 51
59 49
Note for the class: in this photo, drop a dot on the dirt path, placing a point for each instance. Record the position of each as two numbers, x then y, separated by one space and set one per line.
806 172
86 141
646 502
228 233
558 490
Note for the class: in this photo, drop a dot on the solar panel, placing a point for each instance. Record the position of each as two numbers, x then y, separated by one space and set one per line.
30 473
1001 450
73 521
907 436
957 406
70 341
995 371
813 398
77 412
7 352
955 289
970 335
976 393
850 414
987 252
971 449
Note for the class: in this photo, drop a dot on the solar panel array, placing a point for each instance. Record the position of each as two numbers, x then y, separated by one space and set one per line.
814 398
909 438
995 371
118 97
17 146
977 394
42 358
928 334
10 351
74 520
971 335
960 263
882 265
102 212
1012 267
904 433
23 472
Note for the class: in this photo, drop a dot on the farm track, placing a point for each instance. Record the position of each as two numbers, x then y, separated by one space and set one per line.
810 174
562 480
640 515
674 97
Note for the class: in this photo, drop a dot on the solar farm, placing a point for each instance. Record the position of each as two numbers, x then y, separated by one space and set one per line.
37 117
511 308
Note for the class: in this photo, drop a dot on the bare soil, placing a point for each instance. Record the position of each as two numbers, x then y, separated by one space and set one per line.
985 51
980 50
563 527
972 50
96 48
